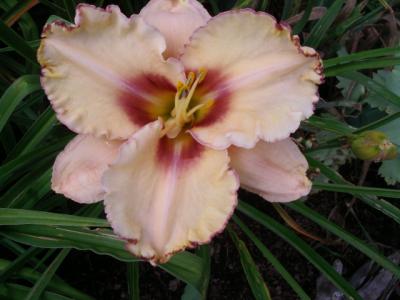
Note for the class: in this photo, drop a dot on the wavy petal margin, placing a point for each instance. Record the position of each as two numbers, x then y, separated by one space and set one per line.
271 81
163 195
89 67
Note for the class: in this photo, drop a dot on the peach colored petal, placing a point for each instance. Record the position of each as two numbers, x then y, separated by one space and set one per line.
88 67
163 195
176 20
275 171
78 169
270 82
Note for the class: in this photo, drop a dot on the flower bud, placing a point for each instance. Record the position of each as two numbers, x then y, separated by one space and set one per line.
373 145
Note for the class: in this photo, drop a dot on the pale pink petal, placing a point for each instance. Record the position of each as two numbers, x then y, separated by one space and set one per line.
275 171
176 20
268 83
92 69
163 195
78 169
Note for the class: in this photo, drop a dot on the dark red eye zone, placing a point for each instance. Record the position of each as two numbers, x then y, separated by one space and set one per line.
181 150
151 96
214 81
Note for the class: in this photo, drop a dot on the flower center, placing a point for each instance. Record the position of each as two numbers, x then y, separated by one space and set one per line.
182 115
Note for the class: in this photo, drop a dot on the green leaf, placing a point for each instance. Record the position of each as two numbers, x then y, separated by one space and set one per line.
360 56
56 285
29 160
390 80
40 285
330 124
343 234
133 281
390 170
243 3
392 130
287 9
375 87
190 293
10 216
18 10
70 8
12 291
35 134
319 30
16 92
17 263
33 44
298 28
357 190
12 39
184 265
379 204
273 260
313 257
28 190
361 65
253 276
379 124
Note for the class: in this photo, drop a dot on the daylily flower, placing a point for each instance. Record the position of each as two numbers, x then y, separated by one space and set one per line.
172 108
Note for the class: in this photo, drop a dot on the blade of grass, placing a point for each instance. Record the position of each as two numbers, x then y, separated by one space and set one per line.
12 291
184 265
243 3
133 281
70 8
330 125
29 160
204 252
17 91
55 285
319 30
304 19
12 39
362 55
379 204
264 5
27 191
287 7
7 138
313 257
373 86
40 286
361 65
295 226
357 190
35 134
344 235
273 260
18 263
19 9
33 44
334 142
11 216
379 123
253 276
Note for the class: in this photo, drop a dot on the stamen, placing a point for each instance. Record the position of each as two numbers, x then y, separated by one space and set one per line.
184 94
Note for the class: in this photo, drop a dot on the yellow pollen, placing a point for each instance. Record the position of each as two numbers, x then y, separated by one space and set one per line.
180 115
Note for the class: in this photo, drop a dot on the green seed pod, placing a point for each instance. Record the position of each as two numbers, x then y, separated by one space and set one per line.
373 145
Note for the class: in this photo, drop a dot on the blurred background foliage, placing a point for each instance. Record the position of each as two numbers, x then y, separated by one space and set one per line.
341 242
